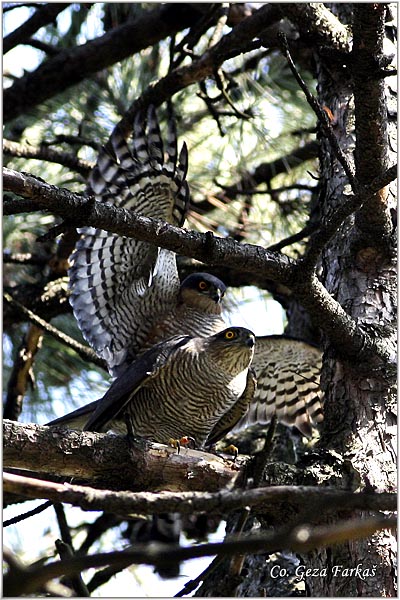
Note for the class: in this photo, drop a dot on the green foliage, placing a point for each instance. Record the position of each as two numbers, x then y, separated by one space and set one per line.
221 152
257 121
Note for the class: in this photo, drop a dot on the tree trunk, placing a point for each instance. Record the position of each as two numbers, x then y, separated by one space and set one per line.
359 271
357 446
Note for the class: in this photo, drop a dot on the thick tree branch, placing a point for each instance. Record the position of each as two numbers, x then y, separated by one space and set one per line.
87 498
239 41
351 204
314 20
16 207
72 66
42 16
205 247
297 275
366 350
93 456
19 580
128 39
71 161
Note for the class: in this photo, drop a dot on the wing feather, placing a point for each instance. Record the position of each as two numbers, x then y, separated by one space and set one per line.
287 371
120 286
124 388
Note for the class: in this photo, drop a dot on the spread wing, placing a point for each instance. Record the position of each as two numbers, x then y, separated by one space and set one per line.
121 286
288 376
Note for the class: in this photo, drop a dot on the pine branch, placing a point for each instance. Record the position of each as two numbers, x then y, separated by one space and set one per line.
314 20
349 339
22 581
83 167
322 117
187 503
46 301
351 205
73 65
262 174
92 456
42 16
205 247
240 40
83 351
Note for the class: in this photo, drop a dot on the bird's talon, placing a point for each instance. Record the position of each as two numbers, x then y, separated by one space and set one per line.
175 444
189 441
186 440
231 449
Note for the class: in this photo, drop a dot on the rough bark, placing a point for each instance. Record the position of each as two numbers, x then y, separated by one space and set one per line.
94 456
89 498
356 450
352 252
71 161
71 67
21 581
360 275
299 275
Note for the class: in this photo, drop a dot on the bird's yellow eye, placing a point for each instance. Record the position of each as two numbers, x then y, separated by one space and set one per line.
203 285
229 335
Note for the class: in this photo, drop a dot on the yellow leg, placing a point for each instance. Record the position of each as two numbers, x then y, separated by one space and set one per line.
186 440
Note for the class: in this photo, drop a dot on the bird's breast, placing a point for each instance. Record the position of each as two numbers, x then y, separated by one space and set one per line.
238 383
187 399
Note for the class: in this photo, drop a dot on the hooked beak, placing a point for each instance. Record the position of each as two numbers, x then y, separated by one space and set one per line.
250 342
217 296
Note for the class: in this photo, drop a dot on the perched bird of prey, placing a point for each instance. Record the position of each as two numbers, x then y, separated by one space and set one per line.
195 387
126 294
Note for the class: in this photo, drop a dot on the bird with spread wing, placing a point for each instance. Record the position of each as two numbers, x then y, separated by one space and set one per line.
126 294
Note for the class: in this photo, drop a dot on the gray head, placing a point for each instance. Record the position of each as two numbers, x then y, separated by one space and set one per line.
203 292
233 348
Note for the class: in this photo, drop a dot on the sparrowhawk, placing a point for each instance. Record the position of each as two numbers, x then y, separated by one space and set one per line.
126 294
197 387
